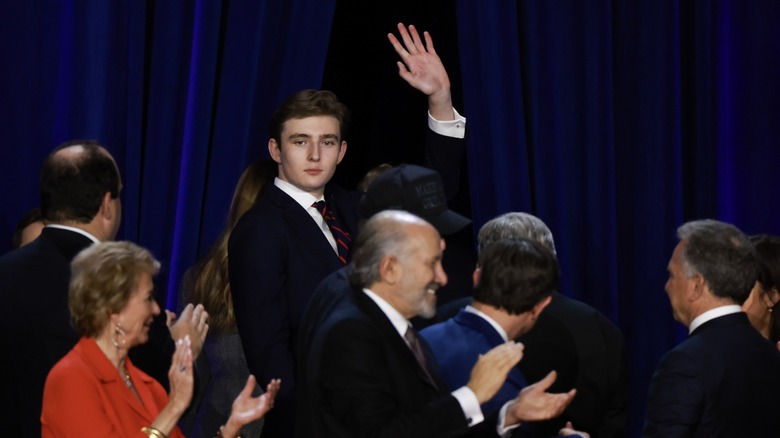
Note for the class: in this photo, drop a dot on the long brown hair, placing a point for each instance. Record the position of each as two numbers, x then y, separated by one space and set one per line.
212 285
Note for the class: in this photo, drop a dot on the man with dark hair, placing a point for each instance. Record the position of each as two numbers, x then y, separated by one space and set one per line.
371 373
512 285
579 342
723 380
79 186
308 103
75 182
301 228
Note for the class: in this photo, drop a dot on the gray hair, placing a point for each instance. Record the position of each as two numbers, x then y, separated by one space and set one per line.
384 234
515 225
722 254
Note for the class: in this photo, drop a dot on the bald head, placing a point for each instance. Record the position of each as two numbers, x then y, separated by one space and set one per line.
398 256
384 234
75 180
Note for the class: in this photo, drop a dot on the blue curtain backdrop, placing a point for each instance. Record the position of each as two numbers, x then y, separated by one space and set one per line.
614 121
179 91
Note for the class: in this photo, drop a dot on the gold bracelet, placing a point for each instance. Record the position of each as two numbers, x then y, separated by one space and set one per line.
219 433
152 432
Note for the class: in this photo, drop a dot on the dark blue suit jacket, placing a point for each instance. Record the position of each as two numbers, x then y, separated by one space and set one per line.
278 255
587 351
457 344
723 381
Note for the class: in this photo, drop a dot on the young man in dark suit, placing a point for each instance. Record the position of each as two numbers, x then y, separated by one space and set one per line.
723 380
372 375
289 241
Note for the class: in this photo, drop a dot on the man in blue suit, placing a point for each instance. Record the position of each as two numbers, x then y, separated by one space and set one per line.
577 341
370 374
513 282
723 380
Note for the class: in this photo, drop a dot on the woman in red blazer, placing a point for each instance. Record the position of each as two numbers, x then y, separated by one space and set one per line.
95 390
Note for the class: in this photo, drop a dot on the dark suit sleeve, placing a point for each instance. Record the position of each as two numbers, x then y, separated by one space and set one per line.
674 400
446 155
361 399
613 422
257 265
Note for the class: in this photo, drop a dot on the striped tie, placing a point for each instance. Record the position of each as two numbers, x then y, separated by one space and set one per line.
343 238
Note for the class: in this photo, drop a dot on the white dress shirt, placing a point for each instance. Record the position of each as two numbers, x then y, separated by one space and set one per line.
306 200
712 314
75 230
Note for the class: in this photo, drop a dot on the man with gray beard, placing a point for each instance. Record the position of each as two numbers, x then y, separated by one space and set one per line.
369 371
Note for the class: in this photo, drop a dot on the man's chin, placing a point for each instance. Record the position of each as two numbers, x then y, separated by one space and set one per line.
428 307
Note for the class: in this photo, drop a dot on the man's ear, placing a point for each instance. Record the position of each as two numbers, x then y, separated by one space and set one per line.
342 151
390 270
105 207
275 150
698 287
537 310
476 276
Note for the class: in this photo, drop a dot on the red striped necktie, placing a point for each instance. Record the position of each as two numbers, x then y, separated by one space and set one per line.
343 239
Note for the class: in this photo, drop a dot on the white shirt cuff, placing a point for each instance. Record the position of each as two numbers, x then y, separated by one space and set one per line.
501 429
448 128
469 405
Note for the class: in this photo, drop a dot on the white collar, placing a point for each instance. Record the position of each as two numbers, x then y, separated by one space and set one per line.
490 320
712 314
400 323
75 230
303 198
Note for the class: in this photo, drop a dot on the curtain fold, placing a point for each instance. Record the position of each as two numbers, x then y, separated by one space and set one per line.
613 121
637 116
180 92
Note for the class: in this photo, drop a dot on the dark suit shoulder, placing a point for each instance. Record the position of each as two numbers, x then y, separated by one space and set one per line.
52 244
267 208
702 384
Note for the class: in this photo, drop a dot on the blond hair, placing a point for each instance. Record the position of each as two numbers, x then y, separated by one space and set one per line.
103 278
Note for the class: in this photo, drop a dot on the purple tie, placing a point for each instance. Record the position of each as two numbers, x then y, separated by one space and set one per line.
343 239
414 345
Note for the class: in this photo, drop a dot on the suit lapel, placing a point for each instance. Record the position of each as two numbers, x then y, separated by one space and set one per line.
143 384
303 228
397 343
112 382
